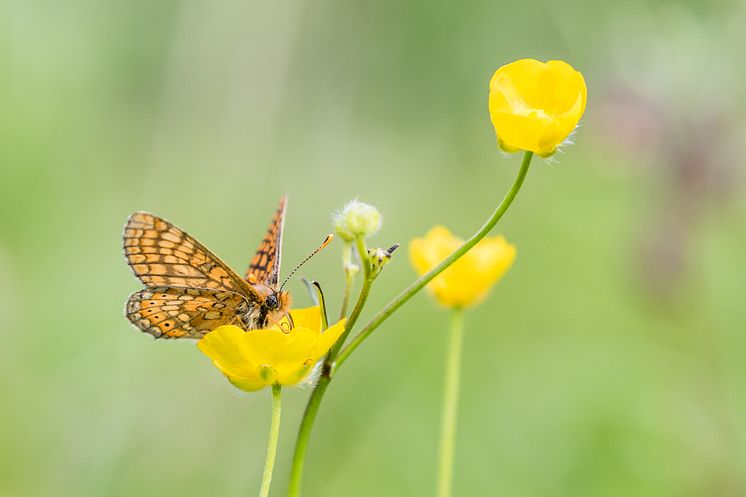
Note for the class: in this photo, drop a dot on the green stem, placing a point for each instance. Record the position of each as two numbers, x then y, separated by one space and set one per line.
274 435
314 401
309 415
450 404
420 283
304 434
361 299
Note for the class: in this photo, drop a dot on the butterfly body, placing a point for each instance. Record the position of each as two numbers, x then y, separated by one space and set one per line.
271 303
190 291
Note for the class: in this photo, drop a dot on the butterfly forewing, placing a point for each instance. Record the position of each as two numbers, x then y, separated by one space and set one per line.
168 312
265 266
160 254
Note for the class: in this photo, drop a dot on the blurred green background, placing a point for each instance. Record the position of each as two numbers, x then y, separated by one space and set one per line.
610 361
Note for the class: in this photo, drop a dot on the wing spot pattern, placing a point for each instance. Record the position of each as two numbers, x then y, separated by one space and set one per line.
265 264
161 254
189 290
164 314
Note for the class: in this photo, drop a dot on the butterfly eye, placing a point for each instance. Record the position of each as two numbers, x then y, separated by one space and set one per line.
271 302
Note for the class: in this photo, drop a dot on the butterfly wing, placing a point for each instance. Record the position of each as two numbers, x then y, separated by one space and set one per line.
168 312
162 255
265 266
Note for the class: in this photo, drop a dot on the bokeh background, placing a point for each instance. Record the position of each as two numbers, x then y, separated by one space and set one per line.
610 361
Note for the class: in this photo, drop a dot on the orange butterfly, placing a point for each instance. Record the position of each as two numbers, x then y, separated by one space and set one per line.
190 291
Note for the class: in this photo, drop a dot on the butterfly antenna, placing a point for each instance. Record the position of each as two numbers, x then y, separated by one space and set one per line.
326 242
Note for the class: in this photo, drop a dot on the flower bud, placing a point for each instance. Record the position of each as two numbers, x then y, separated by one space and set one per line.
357 219
378 258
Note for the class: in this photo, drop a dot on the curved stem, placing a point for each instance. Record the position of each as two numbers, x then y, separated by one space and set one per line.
274 435
314 401
420 283
450 404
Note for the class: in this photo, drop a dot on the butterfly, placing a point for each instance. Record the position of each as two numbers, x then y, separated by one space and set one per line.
189 291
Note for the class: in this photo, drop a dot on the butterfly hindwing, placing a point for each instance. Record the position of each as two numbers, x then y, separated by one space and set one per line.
265 266
160 254
168 312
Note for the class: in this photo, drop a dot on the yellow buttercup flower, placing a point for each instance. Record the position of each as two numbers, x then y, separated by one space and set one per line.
534 106
468 281
255 359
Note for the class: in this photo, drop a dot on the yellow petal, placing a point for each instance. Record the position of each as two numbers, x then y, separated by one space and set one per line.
227 348
228 351
279 349
248 384
308 317
294 354
521 132
425 253
327 339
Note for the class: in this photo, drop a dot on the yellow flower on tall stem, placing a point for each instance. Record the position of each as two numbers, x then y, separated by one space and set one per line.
534 106
282 354
464 284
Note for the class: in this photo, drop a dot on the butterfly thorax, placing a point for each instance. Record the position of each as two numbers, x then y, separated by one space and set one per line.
272 305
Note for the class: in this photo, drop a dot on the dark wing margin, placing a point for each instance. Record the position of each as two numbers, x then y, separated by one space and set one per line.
265 266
